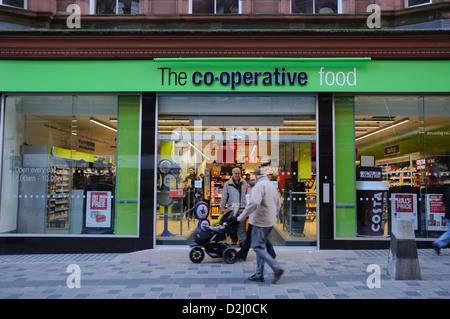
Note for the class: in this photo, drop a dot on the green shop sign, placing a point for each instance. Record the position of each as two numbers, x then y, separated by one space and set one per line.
226 75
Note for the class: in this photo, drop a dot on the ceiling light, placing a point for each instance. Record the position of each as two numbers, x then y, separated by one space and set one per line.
301 121
172 121
104 125
301 127
383 129
195 148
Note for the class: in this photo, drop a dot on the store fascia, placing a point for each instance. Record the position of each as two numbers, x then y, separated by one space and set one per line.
219 75
251 75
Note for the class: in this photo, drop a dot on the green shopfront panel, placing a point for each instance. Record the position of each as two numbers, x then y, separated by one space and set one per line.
226 75
340 75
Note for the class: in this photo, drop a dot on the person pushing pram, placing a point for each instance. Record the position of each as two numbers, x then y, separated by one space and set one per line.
233 197
213 240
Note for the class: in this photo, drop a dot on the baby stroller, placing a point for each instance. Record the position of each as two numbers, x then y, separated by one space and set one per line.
212 239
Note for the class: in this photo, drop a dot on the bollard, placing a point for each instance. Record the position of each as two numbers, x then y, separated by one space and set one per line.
403 262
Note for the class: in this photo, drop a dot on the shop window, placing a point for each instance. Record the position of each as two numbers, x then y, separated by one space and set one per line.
412 3
60 165
215 6
202 138
401 150
14 3
315 6
117 7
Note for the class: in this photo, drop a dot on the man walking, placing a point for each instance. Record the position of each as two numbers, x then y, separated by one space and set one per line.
262 211
234 194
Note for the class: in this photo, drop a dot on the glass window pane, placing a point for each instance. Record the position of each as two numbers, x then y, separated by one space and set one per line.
59 165
199 144
317 6
15 3
128 7
227 6
106 7
202 6
326 6
302 6
435 162
401 145
417 2
242 105
221 6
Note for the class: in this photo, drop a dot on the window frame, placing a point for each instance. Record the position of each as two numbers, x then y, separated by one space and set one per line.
339 7
93 4
342 203
25 5
215 7
407 5
130 200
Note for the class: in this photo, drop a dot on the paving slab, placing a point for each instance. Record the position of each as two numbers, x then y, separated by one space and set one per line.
167 273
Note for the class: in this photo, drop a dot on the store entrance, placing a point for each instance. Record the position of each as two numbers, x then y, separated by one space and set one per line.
207 141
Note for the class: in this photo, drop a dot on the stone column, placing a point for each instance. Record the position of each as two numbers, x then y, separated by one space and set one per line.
403 262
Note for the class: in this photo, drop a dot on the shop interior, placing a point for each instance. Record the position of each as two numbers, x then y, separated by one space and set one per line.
407 137
285 146
55 147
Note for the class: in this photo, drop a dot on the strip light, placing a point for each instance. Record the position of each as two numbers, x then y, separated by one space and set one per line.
195 148
101 124
383 129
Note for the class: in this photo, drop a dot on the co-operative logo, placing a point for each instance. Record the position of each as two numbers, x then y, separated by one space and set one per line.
278 77
233 79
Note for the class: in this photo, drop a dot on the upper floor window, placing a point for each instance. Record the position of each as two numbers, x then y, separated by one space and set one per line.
412 3
316 6
215 6
115 7
15 3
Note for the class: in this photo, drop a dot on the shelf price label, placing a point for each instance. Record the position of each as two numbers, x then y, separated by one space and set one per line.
421 163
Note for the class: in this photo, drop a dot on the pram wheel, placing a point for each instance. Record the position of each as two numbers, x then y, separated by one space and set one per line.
196 255
230 255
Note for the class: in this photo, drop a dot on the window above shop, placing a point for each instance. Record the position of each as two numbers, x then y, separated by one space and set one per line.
215 6
316 6
413 3
14 3
115 6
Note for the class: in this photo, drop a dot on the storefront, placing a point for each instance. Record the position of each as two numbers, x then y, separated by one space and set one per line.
101 162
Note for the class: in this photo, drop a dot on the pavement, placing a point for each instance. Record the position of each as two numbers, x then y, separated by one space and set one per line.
167 273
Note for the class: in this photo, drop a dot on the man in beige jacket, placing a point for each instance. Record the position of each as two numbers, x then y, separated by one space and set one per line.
262 211
234 194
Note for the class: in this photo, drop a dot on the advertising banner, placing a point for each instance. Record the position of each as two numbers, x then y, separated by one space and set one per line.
435 211
98 209
371 208
207 182
404 206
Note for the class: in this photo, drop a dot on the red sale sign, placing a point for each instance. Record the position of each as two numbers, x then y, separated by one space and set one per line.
404 206
435 210
98 209
404 203
99 200
436 204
